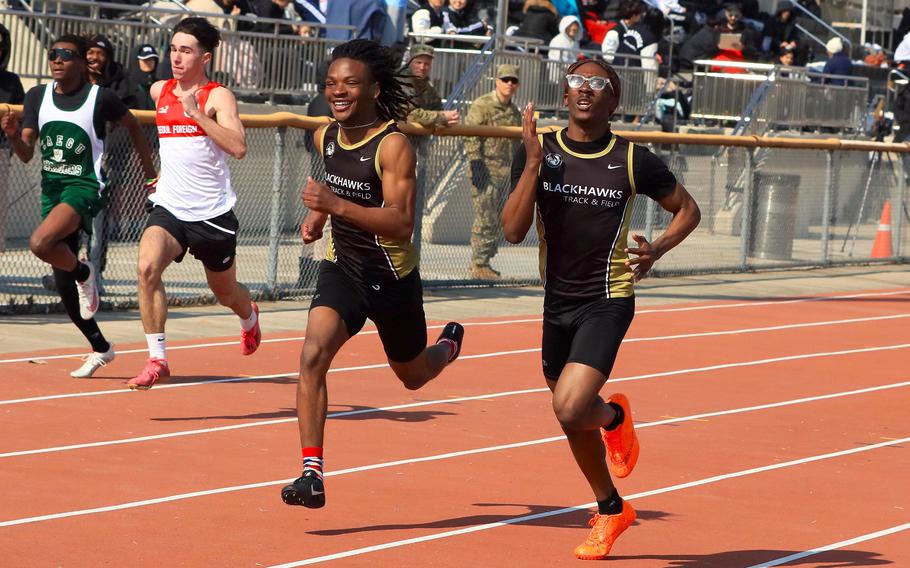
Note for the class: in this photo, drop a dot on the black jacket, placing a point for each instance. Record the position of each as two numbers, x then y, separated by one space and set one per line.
11 90
540 21
702 45
143 82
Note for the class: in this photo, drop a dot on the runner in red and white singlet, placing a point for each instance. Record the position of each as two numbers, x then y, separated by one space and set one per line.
192 207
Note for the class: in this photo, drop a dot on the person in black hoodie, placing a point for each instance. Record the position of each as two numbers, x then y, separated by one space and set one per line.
541 21
144 70
11 92
105 72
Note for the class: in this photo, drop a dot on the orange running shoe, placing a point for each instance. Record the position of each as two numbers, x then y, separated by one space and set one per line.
250 340
621 442
606 529
155 370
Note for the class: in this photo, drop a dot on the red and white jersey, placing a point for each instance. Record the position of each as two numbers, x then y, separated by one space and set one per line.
195 182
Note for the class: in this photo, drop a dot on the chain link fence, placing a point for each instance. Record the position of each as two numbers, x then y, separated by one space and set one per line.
761 208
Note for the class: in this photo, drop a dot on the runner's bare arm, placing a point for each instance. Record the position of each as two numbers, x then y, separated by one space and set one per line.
314 222
518 212
23 142
140 144
395 219
225 129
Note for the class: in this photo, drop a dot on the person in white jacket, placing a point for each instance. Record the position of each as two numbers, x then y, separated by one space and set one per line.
429 19
567 41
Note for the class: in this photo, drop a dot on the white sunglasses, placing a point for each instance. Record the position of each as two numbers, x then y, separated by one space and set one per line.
596 83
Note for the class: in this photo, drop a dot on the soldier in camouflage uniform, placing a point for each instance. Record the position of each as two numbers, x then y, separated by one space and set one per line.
490 160
426 106
425 110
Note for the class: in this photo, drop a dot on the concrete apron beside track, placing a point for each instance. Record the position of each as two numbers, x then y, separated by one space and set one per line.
18 332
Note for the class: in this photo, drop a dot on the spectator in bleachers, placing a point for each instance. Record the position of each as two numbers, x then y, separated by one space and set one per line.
425 101
875 56
630 37
780 33
700 45
567 41
902 53
104 71
239 8
429 19
838 62
312 12
110 74
786 57
461 18
11 92
540 20
275 9
144 71
593 19
369 18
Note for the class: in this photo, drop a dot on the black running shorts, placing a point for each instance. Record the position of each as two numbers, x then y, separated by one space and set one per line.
395 307
213 241
583 331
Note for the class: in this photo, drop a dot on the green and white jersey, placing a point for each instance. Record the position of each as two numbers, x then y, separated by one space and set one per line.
71 151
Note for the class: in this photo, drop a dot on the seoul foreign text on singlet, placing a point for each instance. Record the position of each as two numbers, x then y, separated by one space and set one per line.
195 182
353 173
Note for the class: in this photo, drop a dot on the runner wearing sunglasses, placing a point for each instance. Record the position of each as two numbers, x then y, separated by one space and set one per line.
68 117
583 180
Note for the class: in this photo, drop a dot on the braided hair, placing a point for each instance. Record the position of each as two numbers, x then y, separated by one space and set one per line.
392 103
611 73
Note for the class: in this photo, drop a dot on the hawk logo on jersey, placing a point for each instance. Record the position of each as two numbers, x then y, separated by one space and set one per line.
163 110
553 160
58 155
329 150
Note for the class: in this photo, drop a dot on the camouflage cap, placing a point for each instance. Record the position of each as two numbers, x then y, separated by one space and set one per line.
419 49
507 70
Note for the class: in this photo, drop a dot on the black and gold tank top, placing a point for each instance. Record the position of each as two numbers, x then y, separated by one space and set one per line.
353 173
584 206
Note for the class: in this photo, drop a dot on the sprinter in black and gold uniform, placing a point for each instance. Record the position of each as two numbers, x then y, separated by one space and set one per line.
370 269
583 180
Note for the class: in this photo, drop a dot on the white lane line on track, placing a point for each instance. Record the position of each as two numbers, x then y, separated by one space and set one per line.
740 331
448 455
499 322
526 518
833 546
419 405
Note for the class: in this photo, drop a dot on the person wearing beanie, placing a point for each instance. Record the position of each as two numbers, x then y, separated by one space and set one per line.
838 62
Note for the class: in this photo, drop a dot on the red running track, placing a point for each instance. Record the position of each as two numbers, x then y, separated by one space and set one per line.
768 429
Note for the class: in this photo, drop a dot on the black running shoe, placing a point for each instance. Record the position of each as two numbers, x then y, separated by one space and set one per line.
307 490
455 332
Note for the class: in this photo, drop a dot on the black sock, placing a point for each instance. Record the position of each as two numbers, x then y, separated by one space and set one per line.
617 420
81 272
612 505
66 287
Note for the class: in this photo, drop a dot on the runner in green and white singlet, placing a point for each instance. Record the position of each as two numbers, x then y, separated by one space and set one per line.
66 119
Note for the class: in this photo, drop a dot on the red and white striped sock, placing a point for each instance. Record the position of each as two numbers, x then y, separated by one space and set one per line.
312 460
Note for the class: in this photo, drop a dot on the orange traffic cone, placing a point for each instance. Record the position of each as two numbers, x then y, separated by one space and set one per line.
881 248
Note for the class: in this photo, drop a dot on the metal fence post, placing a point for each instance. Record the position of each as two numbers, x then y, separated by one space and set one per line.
826 205
898 215
745 232
275 213
712 187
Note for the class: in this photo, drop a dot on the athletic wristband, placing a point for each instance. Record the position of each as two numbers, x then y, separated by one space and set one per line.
151 183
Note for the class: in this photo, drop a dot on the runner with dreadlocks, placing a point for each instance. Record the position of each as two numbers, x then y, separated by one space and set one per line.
370 270
583 180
